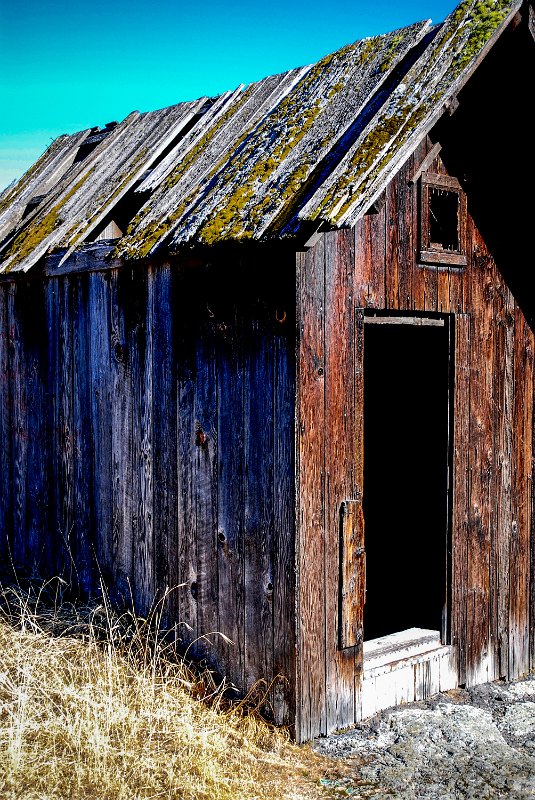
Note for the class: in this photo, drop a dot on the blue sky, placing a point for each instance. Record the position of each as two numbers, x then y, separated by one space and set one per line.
66 66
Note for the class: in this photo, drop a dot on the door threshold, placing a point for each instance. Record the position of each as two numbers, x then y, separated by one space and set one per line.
405 667
398 646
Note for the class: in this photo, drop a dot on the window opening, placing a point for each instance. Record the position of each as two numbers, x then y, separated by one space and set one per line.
442 220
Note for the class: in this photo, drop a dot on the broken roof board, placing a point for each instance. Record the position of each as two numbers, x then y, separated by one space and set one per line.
317 143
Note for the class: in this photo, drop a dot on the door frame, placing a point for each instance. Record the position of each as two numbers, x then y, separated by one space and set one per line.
352 521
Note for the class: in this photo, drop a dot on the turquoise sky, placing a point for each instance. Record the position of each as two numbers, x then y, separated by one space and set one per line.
66 66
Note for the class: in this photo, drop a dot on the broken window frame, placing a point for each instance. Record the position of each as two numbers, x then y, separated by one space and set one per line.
430 253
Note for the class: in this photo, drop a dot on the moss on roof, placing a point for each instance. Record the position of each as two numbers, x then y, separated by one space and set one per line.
313 144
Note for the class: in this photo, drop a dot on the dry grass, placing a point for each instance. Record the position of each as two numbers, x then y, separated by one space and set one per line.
93 705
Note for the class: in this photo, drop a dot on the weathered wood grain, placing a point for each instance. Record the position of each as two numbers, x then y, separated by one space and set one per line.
504 337
31 333
121 438
375 243
204 468
19 431
6 494
164 442
519 595
230 499
186 523
284 618
353 573
139 341
481 458
258 503
311 716
65 488
358 481
461 484
339 435
83 545
100 376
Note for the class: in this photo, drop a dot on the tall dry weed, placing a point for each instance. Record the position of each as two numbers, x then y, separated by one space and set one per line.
97 705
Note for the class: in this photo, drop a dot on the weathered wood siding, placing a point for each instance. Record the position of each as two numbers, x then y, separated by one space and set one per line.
147 435
375 266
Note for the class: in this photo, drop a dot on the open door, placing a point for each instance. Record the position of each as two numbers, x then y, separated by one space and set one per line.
395 577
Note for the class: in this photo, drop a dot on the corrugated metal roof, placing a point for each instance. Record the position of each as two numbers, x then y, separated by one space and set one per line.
315 145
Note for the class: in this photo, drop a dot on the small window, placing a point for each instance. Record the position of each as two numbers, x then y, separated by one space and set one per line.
442 221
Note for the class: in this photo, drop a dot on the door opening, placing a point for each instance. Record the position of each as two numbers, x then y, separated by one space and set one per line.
406 473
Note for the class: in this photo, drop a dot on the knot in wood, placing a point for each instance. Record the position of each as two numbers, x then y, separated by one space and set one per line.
201 439
118 351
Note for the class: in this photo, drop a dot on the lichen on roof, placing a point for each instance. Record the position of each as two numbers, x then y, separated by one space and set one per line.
424 89
314 144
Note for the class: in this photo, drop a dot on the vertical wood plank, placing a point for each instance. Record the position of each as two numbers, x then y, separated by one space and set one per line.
204 435
407 234
358 474
284 529
6 482
370 253
25 316
258 533
187 531
230 500
339 434
399 255
311 718
423 285
375 228
461 483
519 611
55 542
353 573
32 311
100 365
479 650
140 348
83 547
65 429
430 282
503 455
164 399
121 440
19 432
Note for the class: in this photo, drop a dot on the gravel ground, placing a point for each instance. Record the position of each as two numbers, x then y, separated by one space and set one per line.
477 743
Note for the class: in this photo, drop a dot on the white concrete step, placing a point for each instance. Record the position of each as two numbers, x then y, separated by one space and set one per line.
404 667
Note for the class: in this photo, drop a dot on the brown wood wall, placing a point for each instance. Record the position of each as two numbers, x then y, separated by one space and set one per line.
375 265
147 426
147 434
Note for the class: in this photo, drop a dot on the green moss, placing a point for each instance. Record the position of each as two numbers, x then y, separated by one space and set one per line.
287 125
485 17
26 242
389 58
367 49
467 30
40 228
281 130
140 239
192 154
22 184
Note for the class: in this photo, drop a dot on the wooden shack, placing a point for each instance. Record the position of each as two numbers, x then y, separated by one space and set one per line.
275 349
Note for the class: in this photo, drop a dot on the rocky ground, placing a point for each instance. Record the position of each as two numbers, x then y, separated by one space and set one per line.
477 743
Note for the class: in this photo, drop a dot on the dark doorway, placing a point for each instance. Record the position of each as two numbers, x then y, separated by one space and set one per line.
406 457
